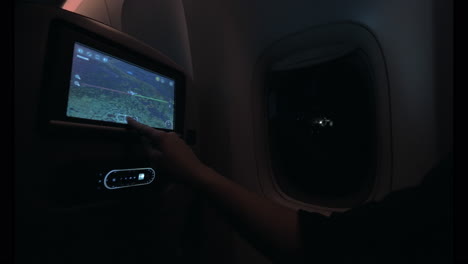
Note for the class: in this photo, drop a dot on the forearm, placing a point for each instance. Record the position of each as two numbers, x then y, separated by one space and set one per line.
270 227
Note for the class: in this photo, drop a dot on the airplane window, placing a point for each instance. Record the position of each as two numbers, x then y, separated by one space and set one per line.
321 125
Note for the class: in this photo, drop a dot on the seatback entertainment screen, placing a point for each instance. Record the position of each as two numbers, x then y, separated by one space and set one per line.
106 88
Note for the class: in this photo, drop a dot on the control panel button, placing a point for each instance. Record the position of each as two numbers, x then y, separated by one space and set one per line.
123 178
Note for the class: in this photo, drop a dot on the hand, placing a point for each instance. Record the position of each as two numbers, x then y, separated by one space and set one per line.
168 152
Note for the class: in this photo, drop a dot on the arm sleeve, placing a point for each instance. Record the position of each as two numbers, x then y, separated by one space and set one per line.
350 237
409 226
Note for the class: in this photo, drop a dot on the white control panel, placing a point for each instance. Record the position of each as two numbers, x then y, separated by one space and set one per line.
124 178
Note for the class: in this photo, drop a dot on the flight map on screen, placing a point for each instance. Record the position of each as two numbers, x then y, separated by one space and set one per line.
105 88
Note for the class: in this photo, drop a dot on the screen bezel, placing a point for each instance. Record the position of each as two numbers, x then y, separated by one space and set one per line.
59 59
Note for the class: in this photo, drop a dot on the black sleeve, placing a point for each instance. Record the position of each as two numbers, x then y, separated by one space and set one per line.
409 226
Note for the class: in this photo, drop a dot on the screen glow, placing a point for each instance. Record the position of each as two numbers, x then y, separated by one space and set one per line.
106 88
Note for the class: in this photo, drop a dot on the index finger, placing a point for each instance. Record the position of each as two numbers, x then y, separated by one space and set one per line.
144 130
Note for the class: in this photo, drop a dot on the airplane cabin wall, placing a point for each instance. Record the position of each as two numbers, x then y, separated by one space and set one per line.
228 38
232 35
223 41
